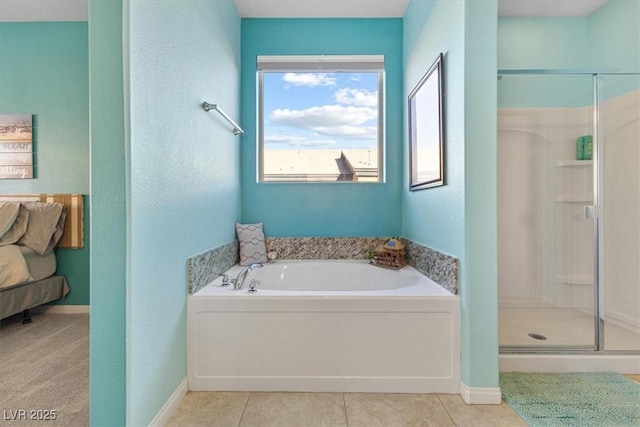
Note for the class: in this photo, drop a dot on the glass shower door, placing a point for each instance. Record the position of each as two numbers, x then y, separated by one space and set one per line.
546 228
619 113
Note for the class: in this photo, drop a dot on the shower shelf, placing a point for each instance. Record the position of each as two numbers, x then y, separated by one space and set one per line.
574 199
575 280
574 163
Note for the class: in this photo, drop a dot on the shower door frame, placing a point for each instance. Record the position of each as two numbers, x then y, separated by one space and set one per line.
594 211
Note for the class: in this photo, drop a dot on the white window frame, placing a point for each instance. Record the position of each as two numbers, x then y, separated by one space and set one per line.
321 63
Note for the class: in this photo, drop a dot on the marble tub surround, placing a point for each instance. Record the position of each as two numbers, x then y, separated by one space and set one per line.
323 247
205 268
437 266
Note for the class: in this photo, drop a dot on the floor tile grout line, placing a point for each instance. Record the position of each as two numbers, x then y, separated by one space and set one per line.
446 410
344 403
244 409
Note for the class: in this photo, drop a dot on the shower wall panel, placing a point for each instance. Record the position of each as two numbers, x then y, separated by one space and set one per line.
544 239
620 224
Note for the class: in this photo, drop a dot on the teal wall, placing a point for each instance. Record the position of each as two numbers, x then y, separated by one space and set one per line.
614 45
109 171
45 72
460 217
542 43
606 40
479 274
614 36
184 182
435 217
341 209
74 265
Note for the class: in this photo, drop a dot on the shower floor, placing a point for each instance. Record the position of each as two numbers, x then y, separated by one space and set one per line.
560 327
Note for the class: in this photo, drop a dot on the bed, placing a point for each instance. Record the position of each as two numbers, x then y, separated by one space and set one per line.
31 227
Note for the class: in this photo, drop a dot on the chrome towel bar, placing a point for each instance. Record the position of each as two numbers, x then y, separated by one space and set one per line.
237 130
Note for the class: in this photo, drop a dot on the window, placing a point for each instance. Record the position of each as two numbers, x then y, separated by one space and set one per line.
320 118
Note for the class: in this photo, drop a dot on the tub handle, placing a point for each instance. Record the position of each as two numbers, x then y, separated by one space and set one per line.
225 279
252 286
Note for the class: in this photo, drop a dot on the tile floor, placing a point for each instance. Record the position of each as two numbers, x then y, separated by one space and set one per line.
228 409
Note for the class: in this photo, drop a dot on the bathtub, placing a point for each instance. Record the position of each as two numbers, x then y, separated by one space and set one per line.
325 326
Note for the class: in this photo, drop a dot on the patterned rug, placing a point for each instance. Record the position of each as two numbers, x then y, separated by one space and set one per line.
575 399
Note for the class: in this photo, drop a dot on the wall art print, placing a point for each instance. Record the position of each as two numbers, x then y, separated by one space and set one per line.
16 146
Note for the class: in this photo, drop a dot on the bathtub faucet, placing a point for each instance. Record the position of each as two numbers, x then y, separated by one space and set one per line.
237 284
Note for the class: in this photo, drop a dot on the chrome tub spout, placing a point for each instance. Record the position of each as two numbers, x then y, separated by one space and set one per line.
237 284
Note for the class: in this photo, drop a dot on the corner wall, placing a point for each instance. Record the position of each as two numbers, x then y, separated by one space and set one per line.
107 324
184 186
460 217
479 289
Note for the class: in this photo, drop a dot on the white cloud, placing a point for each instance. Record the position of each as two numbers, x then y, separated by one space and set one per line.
284 139
309 79
298 141
358 97
325 115
349 132
337 121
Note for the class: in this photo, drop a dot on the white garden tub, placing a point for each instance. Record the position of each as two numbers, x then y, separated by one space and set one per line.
325 326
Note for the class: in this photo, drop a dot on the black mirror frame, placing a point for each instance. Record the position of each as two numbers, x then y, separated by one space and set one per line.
437 177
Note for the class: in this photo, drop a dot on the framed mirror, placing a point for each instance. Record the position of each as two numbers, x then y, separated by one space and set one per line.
426 129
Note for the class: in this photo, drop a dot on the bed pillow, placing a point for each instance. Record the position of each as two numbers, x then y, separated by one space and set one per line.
251 243
57 234
13 268
8 214
18 228
43 220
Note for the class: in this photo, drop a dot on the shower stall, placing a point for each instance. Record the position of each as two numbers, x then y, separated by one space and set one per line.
569 214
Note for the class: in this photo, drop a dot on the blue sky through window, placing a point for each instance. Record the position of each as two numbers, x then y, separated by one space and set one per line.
328 110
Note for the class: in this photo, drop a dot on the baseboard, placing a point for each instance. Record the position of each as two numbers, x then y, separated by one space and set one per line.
480 395
325 384
61 309
620 363
170 406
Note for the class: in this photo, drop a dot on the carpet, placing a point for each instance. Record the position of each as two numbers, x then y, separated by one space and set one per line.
573 399
44 366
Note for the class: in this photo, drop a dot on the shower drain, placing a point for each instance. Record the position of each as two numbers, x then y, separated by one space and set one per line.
537 336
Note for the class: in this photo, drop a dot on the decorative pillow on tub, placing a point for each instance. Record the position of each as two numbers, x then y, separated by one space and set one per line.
43 221
251 243
17 229
13 268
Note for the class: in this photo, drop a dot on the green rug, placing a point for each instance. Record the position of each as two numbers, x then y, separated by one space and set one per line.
576 399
